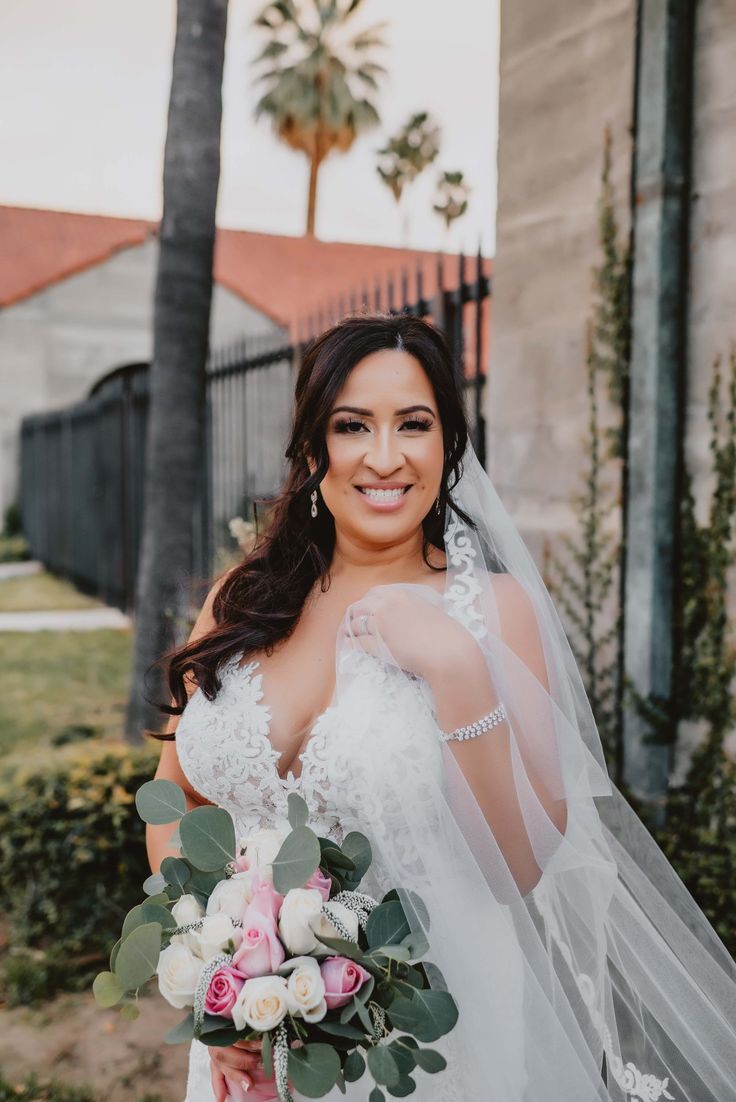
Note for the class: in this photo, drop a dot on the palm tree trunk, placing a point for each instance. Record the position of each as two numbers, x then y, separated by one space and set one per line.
312 196
175 434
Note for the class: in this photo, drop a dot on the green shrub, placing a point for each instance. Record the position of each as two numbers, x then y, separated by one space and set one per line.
14 549
42 1090
72 859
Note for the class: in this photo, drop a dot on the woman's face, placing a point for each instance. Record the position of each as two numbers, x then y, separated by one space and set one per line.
385 448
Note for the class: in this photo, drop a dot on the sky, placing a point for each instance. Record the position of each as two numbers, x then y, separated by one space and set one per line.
84 88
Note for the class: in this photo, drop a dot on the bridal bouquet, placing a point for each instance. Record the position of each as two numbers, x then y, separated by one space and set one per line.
268 937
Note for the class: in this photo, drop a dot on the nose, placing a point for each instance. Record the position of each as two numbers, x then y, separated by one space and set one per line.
384 454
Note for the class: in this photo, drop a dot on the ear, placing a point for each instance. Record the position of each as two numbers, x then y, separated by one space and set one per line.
311 463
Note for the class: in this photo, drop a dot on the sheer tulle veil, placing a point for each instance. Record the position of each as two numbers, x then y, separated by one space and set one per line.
602 979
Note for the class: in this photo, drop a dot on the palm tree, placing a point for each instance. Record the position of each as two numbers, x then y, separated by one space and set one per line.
451 200
412 149
318 79
175 433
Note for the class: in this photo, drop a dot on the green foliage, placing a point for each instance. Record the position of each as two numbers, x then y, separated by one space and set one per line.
12 520
586 580
36 1089
700 832
72 857
14 549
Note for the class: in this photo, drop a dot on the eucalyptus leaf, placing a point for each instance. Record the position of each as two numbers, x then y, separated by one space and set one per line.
331 855
405 1086
403 1055
429 1060
382 1065
114 953
221 1038
132 920
344 948
342 1029
358 849
175 872
362 1012
155 912
428 1014
298 811
392 952
297 859
416 943
387 925
160 802
107 989
376 1095
130 1011
353 1067
138 956
266 1053
313 1069
183 1031
208 838
366 990
154 884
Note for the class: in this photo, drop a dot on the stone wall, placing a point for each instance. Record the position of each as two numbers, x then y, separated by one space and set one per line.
566 75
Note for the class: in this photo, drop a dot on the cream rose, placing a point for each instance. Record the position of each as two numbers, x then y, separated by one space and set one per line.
178 974
232 896
213 937
262 1003
261 848
301 918
185 911
305 988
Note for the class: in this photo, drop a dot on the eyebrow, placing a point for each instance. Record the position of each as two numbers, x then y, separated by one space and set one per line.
369 412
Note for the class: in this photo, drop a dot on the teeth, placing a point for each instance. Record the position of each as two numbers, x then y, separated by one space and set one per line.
382 495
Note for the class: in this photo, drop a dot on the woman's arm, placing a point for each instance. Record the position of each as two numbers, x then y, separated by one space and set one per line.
158 837
464 692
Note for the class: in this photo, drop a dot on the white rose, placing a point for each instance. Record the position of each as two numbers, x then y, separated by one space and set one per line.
213 936
262 846
301 918
262 1003
324 927
299 910
305 988
232 896
185 911
178 972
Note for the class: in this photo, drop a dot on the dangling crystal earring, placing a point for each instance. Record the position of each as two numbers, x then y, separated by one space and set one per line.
314 503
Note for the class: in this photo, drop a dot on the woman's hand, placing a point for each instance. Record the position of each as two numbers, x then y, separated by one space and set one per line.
420 635
235 1062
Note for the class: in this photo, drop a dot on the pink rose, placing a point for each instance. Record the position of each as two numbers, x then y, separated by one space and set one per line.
343 978
321 882
266 900
260 952
224 988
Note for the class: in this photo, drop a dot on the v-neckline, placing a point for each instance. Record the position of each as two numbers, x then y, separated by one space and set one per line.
255 663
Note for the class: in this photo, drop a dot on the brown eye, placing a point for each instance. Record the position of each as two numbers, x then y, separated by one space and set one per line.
348 426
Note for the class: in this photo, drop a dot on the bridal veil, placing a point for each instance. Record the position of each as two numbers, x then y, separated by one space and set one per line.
596 978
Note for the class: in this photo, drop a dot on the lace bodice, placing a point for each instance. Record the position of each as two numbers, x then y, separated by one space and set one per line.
225 751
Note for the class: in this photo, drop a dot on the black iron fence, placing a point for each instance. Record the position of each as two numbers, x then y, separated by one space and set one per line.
82 468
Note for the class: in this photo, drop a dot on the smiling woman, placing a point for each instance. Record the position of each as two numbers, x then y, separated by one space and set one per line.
389 651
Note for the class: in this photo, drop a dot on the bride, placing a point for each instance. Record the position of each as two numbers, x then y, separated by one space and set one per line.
390 652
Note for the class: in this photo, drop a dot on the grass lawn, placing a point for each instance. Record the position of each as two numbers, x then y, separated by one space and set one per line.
56 679
40 592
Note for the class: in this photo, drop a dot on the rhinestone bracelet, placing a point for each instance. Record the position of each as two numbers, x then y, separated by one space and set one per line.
472 730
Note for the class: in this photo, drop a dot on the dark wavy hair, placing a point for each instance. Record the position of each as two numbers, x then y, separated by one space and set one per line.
260 600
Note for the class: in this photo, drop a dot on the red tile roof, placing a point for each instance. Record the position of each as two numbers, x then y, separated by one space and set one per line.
286 278
41 247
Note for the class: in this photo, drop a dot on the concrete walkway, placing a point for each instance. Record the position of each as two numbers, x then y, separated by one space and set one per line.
73 619
79 619
19 569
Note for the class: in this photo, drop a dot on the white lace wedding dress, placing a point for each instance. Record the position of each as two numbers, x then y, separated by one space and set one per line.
380 723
